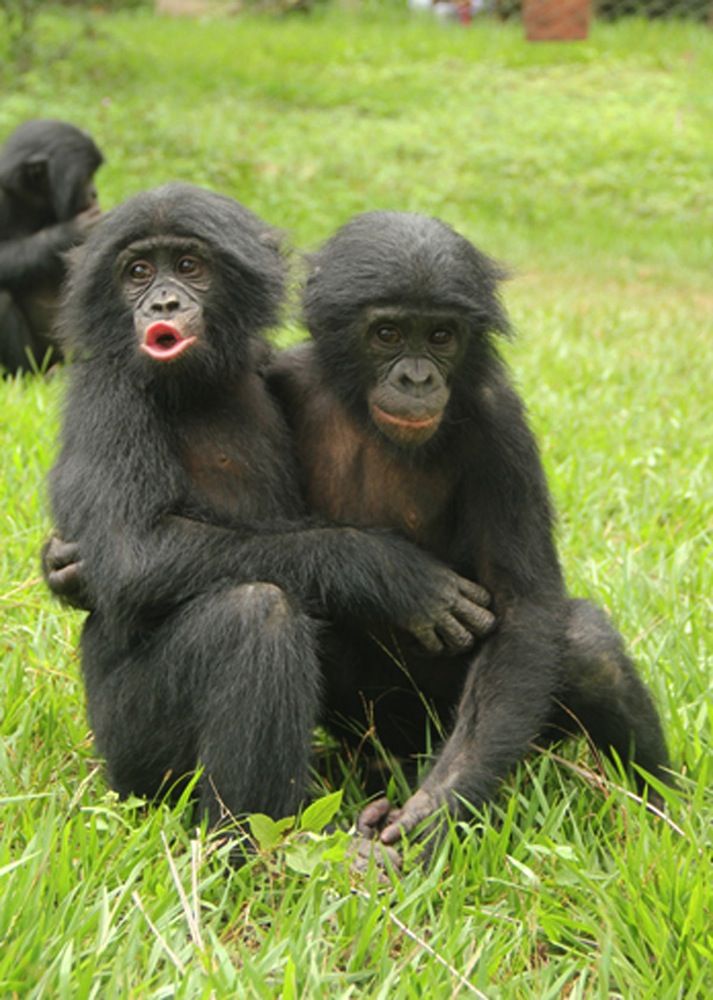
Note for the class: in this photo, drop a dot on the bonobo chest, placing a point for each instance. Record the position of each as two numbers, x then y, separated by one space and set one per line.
352 477
237 459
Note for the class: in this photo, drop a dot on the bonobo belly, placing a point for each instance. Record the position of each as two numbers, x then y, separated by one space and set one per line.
239 469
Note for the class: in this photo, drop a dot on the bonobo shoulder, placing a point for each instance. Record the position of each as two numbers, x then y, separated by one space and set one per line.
497 400
294 361
262 357
293 372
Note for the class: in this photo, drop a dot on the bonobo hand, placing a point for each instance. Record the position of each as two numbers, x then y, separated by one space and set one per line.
454 617
381 826
62 570
380 820
85 221
364 851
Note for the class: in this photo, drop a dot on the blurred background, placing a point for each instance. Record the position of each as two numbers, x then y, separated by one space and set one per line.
584 161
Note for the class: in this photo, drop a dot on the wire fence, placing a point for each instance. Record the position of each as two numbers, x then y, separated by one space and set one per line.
699 10
561 11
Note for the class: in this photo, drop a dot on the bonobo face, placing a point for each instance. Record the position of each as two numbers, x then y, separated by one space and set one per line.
412 356
165 280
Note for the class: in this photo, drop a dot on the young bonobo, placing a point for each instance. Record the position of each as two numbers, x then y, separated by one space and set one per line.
176 478
48 204
404 417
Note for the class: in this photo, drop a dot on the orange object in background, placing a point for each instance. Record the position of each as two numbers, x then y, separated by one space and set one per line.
556 20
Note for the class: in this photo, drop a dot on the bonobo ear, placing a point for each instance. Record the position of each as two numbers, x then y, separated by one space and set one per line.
35 175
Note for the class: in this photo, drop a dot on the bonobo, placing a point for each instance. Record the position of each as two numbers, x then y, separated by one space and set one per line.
176 478
48 203
427 436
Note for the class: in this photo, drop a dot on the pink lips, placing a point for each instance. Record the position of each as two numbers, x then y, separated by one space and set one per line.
164 342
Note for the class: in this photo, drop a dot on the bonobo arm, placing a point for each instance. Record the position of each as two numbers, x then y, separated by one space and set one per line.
29 258
373 574
506 524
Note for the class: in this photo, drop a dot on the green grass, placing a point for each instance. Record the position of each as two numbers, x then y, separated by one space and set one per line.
587 167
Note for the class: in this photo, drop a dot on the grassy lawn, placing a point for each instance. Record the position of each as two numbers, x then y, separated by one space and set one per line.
588 168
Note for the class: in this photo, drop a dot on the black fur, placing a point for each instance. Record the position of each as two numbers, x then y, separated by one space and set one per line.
177 480
473 493
46 169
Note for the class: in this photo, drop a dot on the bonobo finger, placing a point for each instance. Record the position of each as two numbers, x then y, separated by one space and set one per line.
65 580
364 851
85 221
474 591
428 638
479 621
57 553
456 638
372 817
417 808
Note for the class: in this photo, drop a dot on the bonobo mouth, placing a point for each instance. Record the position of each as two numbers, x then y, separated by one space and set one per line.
164 342
407 423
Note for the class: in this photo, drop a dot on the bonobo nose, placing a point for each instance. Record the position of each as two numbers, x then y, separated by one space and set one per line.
165 305
417 378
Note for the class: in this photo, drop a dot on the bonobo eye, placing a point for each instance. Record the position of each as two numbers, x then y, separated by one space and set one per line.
189 267
140 271
441 338
388 335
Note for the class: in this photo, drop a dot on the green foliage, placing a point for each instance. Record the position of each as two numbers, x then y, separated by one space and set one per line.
698 9
18 17
587 167
301 847
320 813
283 6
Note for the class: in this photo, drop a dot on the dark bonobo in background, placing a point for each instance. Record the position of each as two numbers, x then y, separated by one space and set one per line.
176 479
404 417
48 204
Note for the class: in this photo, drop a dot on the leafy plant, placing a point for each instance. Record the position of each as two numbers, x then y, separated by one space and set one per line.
19 17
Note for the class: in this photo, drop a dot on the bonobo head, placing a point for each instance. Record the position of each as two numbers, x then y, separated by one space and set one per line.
175 284
402 309
49 166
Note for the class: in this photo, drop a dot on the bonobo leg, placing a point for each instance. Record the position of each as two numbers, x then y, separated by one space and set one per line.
16 341
605 697
506 702
229 682
514 693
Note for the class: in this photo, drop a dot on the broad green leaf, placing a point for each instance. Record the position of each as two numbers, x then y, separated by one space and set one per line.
266 831
318 814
